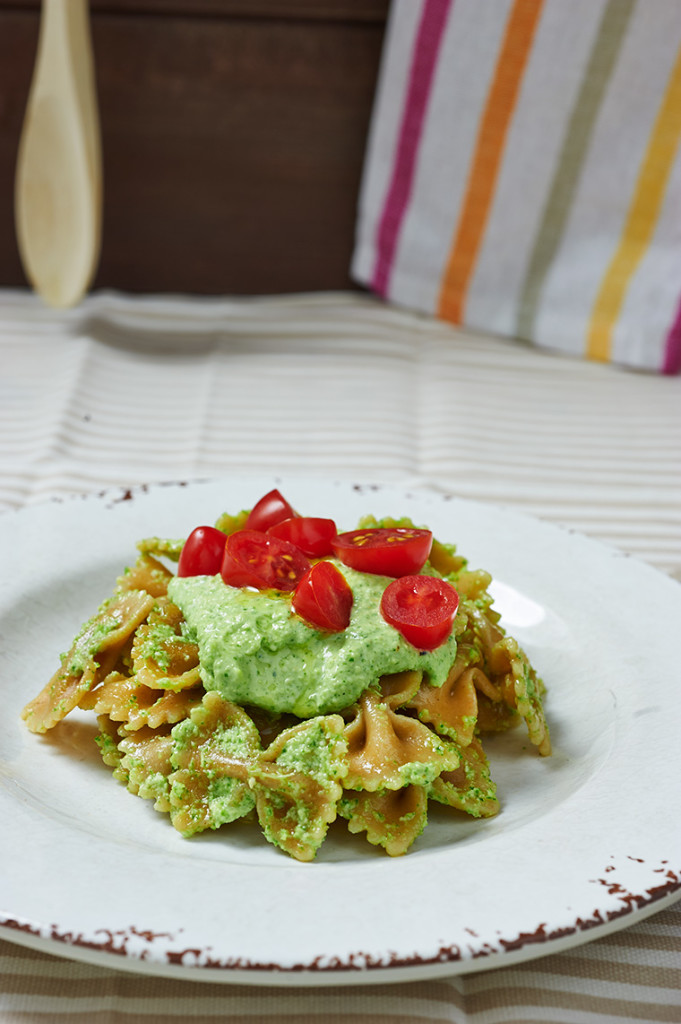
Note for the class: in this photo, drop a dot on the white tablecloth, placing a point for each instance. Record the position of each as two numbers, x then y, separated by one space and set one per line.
127 390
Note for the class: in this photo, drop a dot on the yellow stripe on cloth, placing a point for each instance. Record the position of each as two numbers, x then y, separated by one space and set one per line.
641 220
494 125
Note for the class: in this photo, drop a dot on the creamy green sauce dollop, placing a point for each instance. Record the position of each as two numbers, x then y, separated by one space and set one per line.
255 650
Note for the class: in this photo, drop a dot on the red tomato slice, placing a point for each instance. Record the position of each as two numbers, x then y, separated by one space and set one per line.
324 598
399 551
255 559
272 508
202 552
421 608
313 536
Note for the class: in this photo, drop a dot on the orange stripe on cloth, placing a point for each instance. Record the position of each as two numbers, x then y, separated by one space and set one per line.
489 148
641 220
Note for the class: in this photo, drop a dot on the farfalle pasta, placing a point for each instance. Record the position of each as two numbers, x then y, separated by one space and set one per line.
272 691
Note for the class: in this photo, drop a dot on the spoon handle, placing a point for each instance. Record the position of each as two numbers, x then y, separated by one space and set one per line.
58 187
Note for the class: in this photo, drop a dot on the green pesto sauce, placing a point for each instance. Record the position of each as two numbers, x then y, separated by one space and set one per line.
313 750
151 647
255 650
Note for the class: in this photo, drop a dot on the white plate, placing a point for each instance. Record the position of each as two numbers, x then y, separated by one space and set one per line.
587 841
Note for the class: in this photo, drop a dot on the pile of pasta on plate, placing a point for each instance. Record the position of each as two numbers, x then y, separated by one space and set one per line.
291 675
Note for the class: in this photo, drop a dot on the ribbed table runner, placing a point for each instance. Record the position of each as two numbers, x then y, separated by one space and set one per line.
125 391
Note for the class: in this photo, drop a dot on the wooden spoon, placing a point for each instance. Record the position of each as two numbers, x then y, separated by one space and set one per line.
58 189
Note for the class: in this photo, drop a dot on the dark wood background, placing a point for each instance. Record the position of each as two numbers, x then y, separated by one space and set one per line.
233 135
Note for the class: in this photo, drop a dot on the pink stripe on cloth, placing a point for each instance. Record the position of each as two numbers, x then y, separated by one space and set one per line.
672 356
426 48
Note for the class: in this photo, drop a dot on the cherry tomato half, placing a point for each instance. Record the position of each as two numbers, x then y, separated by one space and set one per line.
272 508
313 536
324 598
421 608
398 551
255 559
202 552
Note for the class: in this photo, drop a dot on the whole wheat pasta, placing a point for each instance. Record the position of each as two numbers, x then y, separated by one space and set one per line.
374 764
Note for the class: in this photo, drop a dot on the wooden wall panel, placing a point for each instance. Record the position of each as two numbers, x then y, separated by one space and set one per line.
317 10
233 143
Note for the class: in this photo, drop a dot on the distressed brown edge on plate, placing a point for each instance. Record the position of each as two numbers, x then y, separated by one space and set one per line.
116 942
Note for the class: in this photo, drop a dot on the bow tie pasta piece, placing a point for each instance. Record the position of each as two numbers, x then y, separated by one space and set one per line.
121 698
481 631
93 655
452 709
391 818
297 785
146 574
494 714
270 724
387 750
399 688
172 707
447 562
164 547
124 699
145 765
213 751
229 523
522 689
162 657
470 788
473 584
506 676
107 739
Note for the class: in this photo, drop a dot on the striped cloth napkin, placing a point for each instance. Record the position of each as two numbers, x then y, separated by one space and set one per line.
523 173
